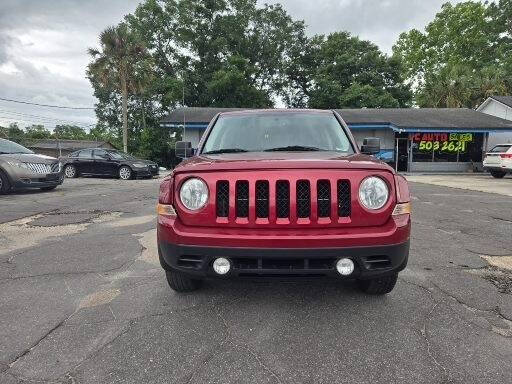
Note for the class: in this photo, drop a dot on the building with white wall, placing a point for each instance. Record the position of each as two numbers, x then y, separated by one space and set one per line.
499 106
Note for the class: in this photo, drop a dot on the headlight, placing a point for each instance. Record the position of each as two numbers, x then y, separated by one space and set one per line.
194 194
18 164
373 192
139 165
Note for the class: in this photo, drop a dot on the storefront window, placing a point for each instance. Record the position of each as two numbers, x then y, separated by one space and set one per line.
446 147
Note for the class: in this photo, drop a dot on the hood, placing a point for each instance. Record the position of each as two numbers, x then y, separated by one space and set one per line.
30 158
280 160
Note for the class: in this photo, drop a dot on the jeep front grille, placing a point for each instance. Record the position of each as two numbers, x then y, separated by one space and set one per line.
310 199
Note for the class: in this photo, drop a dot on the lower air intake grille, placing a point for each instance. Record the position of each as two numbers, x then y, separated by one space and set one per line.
222 199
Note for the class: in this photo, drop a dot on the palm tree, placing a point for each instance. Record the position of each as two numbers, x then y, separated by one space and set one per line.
113 65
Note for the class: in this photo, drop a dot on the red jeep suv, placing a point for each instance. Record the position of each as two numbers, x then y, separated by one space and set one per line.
286 194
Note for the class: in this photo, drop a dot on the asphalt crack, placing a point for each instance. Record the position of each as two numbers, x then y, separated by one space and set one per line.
38 341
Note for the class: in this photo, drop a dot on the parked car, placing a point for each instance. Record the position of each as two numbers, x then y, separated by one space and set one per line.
498 161
20 168
107 162
287 194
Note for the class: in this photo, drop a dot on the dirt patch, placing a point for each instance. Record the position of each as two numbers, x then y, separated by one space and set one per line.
501 262
499 272
99 298
22 233
149 252
53 219
128 221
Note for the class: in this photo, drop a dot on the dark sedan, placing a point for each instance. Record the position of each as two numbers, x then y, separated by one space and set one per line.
107 162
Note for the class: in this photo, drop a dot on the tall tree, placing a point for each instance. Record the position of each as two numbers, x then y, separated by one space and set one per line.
113 66
343 71
37 131
72 132
463 56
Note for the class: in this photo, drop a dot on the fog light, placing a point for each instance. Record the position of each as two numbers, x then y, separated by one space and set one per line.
345 267
221 266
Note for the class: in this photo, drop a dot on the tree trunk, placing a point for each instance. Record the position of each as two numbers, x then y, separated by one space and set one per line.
125 110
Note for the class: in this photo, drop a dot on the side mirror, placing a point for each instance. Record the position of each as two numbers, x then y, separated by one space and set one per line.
184 149
371 146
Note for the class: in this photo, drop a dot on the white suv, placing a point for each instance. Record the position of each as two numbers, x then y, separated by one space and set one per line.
498 161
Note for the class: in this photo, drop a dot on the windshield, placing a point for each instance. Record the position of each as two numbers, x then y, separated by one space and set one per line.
500 149
278 131
7 146
119 155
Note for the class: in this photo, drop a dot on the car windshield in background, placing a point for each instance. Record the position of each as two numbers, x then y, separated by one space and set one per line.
8 147
500 149
120 155
266 132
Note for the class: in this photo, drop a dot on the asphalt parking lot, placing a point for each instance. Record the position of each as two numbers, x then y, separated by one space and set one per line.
83 300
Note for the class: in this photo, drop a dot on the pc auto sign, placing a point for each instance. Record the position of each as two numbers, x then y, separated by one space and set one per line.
443 142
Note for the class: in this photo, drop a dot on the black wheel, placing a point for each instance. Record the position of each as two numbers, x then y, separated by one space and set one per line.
5 185
180 282
125 173
70 171
498 174
379 285
48 188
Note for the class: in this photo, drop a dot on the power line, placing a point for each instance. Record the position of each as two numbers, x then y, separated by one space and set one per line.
48 119
44 105
38 121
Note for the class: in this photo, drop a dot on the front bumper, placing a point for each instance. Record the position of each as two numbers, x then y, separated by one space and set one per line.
376 251
38 181
369 262
140 173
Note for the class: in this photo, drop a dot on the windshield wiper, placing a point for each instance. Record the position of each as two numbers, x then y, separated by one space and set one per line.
293 148
225 150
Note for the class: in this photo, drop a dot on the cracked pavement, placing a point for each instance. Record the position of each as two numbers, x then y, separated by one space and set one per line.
83 300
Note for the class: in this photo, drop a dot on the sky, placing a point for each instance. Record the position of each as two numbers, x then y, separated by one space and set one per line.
43 45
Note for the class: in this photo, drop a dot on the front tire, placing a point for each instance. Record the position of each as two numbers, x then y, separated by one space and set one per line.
125 173
378 286
70 171
5 185
180 282
498 174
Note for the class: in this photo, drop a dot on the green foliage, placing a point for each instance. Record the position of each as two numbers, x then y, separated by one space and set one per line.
349 72
71 132
463 57
37 131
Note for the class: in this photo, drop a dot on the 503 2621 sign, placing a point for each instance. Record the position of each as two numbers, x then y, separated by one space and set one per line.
442 142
